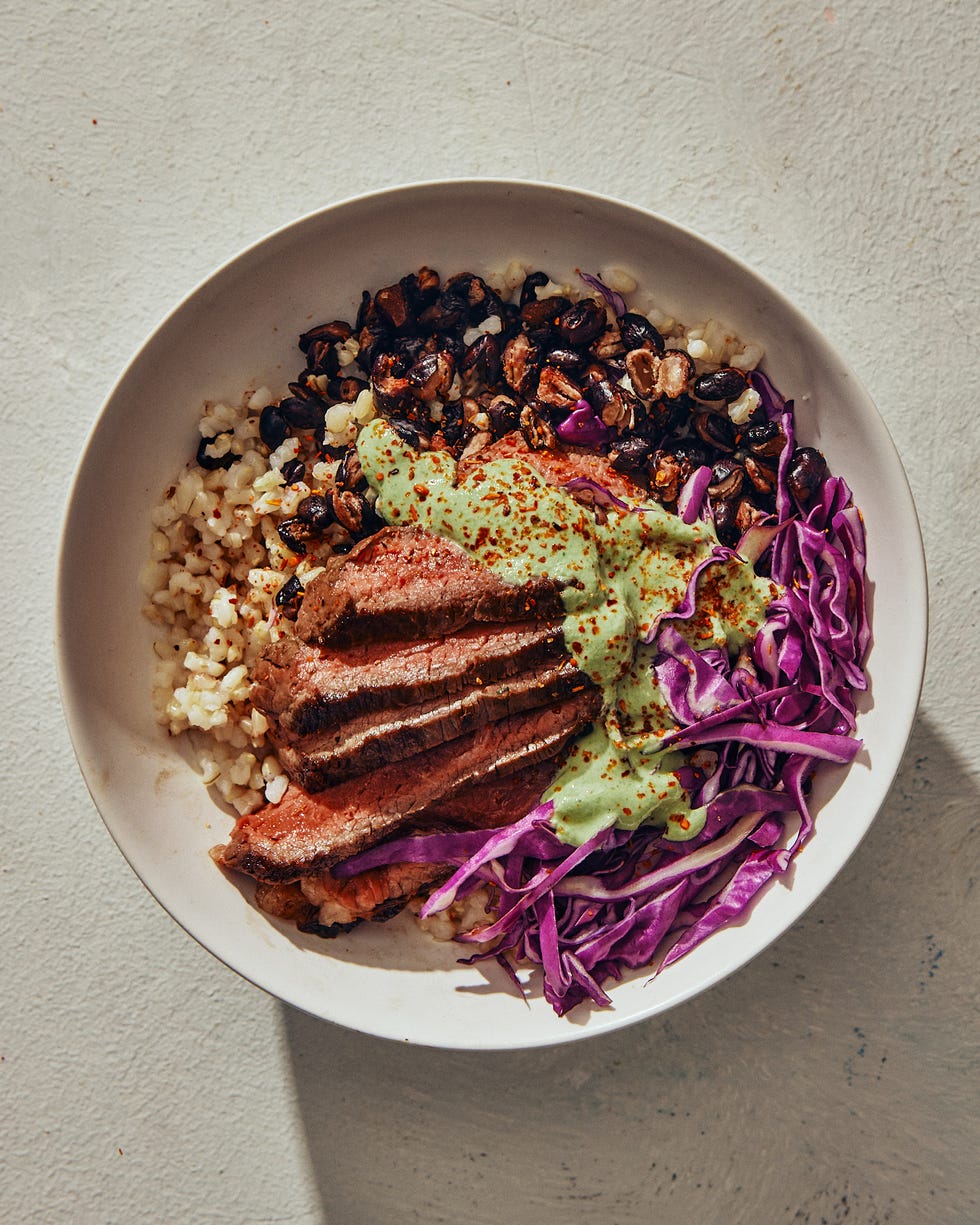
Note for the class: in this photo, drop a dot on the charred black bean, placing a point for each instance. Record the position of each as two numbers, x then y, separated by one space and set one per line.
532 283
631 455
582 322
364 311
392 302
479 298
295 534
726 480
565 359
372 340
293 471
346 389
432 375
445 314
807 471
301 414
422 288
482 359
599 392
639 333
289 593
321 358
208 461
316 511
350 474
544 312
766 438
332 333
716 431
273 426
726 525
724 384
504 414
406 431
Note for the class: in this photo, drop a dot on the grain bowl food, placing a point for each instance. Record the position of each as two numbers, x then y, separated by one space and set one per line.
524 608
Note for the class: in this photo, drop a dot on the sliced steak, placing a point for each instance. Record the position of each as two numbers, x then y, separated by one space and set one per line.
304 834
379 738
302 687
324 906
405 583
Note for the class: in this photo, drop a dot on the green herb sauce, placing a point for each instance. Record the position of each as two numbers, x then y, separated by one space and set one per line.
618 574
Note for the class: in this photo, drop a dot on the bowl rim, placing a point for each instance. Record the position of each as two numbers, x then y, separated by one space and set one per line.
916 578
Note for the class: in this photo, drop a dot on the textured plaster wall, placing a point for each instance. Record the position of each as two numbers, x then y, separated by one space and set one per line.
835 149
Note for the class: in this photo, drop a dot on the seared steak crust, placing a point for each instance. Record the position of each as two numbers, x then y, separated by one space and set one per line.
302 687
306 833
338 753
403 583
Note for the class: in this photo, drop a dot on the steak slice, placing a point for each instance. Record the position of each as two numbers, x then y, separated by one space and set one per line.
304 834
303 688
406 583
340 752
324 906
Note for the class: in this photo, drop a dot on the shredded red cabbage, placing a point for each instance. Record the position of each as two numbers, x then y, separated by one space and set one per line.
753 728
690 500
582 428
615 300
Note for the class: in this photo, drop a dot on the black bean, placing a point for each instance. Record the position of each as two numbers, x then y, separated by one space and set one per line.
445 314
208 461
565 359
639 333
724 384
293 471
726 481
766 438
532 282
372 340
599 393
332 332
482 359
806 474
544 312
504 414
631 455
346 389
321 358
301 413
716 431
582 323
295 534
726 525
273 426
406 431
349 474
289 592
479 298
316 511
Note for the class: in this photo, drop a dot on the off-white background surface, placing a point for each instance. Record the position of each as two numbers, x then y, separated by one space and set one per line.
834 1079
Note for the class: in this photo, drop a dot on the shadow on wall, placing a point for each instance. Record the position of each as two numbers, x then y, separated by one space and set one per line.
815 1084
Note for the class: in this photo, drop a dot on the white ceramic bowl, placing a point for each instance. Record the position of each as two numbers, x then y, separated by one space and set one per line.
239 328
